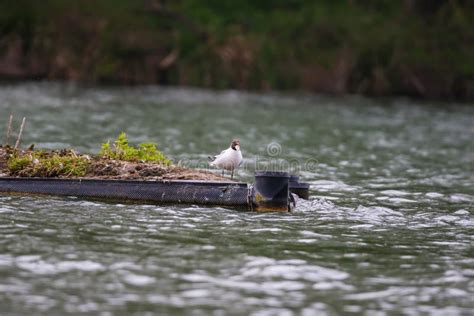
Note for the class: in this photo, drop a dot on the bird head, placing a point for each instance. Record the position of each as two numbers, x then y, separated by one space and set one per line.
235 145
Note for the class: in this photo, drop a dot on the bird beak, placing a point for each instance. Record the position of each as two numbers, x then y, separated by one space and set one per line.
237 147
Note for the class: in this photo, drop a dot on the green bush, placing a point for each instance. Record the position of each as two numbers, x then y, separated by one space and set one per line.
121 150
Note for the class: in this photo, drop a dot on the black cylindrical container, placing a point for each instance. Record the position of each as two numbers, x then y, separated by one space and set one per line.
293 179
299 188
271 191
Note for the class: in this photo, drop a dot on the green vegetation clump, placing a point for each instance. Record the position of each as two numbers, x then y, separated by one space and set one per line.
66 163
121 150
39 164
16 163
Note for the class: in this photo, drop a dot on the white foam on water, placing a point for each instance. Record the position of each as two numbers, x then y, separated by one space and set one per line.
456 198
401 200
308 233
462 212
38 266
434 195
395 193
6 260
138 280
328 185
313 205
292 272
7 209
391 291
376 215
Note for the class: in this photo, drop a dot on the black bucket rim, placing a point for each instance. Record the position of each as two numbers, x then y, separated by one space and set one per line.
294 178
279 174
299 185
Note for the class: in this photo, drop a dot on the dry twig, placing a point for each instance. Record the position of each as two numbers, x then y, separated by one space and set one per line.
21 132
9 130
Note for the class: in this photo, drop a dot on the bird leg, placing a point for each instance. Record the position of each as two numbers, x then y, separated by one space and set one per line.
222 172
232 174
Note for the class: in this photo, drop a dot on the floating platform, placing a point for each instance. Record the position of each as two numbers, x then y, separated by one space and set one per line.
271 191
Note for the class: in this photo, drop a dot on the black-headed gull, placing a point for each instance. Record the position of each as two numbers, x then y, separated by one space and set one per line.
229 159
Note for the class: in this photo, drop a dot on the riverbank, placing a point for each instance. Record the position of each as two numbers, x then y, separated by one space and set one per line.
414 48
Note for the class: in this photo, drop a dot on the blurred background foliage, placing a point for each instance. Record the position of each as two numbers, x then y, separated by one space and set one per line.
378 47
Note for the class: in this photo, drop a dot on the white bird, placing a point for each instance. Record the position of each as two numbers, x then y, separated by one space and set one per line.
229 159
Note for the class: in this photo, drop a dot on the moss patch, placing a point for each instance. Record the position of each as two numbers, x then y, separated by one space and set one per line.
42 164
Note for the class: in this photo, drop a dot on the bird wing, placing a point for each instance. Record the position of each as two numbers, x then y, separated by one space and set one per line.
223 157
217 156
214 158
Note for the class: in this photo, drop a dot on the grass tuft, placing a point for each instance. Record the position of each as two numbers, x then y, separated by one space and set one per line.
39 164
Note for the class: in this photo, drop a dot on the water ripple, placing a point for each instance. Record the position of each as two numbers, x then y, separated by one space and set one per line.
388 228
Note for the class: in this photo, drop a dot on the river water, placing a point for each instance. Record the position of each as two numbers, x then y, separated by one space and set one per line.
389 227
